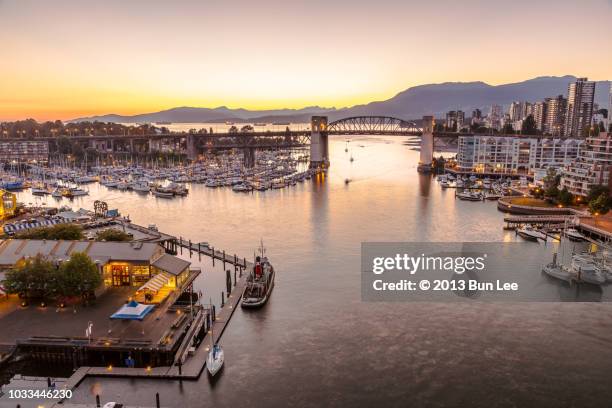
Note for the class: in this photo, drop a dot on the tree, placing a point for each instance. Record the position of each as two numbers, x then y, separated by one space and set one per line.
599 200
78 276
112 234
597 191
565 197
508 129
68 232
600 205
529 126
64 146
32 278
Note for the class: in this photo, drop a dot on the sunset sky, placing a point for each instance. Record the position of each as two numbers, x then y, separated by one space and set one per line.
65 59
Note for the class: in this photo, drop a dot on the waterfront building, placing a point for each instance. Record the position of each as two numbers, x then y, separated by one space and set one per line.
554 123
581 95
8 205
24 151
514 154
592 167
142 265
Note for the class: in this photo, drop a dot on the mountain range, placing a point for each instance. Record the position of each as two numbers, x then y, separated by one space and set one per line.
412 103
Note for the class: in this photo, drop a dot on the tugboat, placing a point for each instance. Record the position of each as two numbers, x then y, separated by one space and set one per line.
260 282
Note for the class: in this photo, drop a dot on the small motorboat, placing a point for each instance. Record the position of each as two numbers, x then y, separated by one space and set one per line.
574 235
215 359
559 272
530 234
469 196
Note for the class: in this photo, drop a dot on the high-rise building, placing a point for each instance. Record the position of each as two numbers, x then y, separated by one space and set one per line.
477 117
460 120
610 110
519 111
496 117
580 97
539 113
455 120
555 116
515 112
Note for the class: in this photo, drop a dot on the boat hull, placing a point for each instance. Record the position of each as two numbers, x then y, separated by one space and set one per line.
254 303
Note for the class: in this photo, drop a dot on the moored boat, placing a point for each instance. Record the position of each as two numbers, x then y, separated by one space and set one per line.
260 282
574 235
215 359
529 233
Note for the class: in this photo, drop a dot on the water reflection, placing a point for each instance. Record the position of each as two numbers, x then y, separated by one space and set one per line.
317 341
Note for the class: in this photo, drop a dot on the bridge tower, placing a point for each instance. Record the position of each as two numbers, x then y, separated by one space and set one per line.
319 148
249 157
427 142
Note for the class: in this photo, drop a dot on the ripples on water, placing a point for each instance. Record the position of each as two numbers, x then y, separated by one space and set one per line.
316 343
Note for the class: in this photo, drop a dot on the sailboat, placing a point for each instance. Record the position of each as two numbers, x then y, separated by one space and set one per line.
216 356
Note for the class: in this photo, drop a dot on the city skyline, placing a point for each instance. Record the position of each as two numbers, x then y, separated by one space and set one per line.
78 60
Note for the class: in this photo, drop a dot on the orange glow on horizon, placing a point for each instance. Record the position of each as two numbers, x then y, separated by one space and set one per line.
146 56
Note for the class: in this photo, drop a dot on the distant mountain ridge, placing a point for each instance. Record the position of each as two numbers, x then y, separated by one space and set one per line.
412 103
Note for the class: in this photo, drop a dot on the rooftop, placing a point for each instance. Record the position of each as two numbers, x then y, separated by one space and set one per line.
12 250
171 264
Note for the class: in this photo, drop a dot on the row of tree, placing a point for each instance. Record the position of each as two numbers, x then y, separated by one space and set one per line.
41 278
30 128
72 232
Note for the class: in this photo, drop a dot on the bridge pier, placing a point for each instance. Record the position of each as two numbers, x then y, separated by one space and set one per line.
192 152
319 147
249 157
426 158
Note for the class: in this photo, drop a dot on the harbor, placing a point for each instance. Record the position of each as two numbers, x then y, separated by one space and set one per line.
295 223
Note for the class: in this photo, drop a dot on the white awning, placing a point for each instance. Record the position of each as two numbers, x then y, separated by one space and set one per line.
156 283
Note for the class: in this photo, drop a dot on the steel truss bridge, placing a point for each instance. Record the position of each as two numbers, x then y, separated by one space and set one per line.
196 143
373 125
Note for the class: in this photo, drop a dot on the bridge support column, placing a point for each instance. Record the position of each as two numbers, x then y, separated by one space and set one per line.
426 157
319 148
192 152
249 157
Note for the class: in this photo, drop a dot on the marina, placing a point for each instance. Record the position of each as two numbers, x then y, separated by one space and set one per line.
226 221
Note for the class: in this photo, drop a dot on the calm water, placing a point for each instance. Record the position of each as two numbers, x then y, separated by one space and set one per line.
317 344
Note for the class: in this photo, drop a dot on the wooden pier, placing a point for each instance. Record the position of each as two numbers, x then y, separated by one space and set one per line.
215 254
518 220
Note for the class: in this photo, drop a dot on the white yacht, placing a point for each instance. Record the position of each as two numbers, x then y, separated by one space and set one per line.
529 233
469 196
574 235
